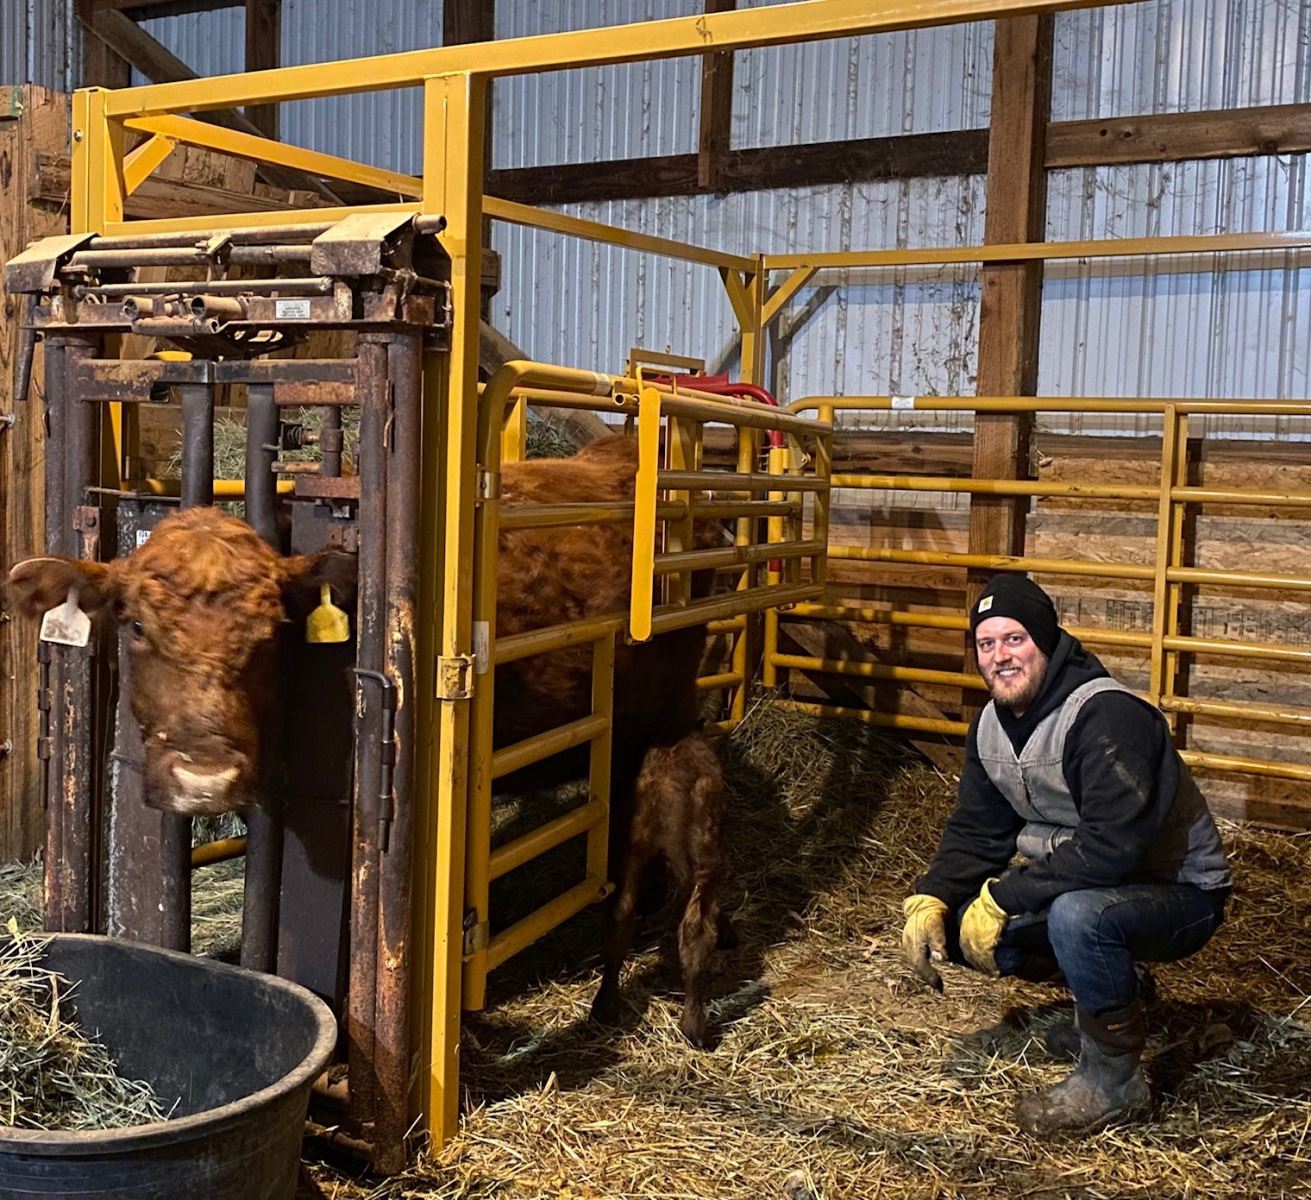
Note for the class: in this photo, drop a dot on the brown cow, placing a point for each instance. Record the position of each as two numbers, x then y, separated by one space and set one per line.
204 597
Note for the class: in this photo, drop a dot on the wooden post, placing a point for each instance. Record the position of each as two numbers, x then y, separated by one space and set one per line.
1011 297
716 110
40 126
263 53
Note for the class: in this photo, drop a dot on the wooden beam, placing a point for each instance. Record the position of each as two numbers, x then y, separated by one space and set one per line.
263 53
716 110
101 66
1168 137
160 65
1171 137
1011 293
146 9
747 170
468 21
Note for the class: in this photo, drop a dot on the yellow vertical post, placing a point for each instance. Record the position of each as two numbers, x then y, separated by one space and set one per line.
748 446
514 433
96 199
681 454
746 293
824 470
454 111
1168 541
645 498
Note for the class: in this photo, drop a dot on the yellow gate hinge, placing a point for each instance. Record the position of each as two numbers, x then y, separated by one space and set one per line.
475 933
455 677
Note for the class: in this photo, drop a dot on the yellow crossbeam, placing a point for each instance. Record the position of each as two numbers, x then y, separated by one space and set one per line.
266 150
139 164
699 34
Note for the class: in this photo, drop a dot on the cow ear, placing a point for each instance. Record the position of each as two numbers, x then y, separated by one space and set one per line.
37 585
304 574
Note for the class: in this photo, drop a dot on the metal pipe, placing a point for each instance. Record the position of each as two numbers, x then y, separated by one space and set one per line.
197 403
206 307
1064 404
393 950
545 745
313 285
77 695
506 858
264 823
330 440
261 452
360 1025
874 670
217 851
251 235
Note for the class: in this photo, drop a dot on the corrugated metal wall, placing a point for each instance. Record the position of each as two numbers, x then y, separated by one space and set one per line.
1170 329
37 43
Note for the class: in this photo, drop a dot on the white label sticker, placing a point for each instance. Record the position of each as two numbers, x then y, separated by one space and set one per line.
903 401
985 604
482 636
291 310
143 536
66 625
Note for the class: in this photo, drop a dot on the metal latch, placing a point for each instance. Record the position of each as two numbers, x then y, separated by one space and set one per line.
455 677
488 484
475 932
386 753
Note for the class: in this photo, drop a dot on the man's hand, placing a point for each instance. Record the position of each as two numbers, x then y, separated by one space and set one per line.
980 930
924 936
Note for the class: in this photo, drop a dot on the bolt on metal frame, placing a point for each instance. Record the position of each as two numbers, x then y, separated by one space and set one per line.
454 81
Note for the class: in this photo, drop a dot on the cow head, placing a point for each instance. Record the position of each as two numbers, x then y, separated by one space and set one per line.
200 605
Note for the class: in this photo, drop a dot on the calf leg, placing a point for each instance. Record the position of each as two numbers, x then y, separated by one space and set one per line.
620 919
698 934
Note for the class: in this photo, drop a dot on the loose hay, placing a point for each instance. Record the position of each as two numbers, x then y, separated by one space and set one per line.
838 1074
52 1075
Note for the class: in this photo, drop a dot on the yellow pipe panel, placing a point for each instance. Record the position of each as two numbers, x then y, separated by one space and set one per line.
544 745
872 670
546 837
993 562
881 720
1066 404
139 164
535 926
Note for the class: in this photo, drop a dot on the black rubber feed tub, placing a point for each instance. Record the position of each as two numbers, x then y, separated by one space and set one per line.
237 1049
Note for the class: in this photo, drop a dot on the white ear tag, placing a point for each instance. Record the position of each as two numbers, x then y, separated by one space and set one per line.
67 625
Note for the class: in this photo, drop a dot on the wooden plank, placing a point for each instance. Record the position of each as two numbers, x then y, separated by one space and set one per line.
1164 137
1171 137
263 53
716 110
101 66
751 169
1011 293
42 126
468 21
157 196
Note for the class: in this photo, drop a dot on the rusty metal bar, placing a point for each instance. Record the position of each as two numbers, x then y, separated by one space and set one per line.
360 1025
395 882
261 452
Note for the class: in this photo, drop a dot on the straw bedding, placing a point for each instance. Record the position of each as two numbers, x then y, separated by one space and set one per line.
838 1074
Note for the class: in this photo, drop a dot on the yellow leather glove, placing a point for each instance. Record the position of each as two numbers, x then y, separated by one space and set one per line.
980 930
924 936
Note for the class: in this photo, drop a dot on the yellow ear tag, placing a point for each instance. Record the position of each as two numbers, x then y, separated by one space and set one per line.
327 623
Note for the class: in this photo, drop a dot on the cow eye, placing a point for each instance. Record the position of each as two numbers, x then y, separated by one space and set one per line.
138 629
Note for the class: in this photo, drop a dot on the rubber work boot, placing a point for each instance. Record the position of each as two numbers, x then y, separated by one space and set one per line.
1062 1041
1106 1087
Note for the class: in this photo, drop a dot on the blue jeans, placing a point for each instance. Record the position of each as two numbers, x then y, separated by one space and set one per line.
1095 936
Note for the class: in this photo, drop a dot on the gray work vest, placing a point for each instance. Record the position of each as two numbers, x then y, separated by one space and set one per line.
1187 849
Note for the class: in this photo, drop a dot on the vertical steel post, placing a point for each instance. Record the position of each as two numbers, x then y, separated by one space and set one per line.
454 111
396 827
264 825
369 631
175 831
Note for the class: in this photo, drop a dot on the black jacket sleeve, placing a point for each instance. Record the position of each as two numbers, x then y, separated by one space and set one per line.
979 839
1123 773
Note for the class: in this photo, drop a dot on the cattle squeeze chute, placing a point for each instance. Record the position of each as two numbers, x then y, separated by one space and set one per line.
563 638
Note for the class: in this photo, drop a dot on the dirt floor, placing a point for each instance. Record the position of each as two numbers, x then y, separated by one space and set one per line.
839 1075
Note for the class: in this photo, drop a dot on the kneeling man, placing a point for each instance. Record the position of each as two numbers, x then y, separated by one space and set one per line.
1121 860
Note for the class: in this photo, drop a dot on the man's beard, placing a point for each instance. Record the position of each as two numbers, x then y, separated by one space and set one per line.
1019 701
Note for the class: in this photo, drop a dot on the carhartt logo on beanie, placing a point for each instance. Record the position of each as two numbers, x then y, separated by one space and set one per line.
1018 597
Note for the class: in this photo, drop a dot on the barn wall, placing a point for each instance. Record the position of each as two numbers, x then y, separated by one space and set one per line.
38 43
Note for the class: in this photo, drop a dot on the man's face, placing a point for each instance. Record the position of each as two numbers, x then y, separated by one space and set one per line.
1011 664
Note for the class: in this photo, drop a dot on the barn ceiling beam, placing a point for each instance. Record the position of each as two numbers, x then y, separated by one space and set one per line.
263 53
154 60
1164 137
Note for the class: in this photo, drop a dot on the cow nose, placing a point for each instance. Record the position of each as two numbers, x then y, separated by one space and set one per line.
203 788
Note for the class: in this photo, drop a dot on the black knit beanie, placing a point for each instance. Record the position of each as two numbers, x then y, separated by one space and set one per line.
1018 597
